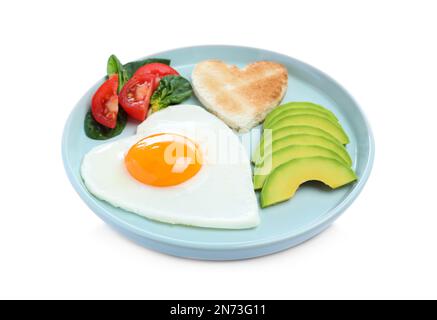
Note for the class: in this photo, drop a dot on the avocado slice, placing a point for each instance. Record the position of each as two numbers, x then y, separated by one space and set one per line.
284 108
306 139
299 111
283 182
275 159
286 131
314 121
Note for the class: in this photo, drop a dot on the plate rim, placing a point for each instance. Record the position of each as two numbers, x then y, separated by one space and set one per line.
324 220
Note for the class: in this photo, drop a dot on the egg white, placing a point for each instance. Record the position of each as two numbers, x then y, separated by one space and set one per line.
220 195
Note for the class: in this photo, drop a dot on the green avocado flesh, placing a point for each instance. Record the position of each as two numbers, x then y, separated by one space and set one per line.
283 182
302 106
313 121
299 111
308 140
281 156
286 131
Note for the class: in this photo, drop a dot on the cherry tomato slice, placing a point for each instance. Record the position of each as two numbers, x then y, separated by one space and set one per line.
135 95
160 70
104 104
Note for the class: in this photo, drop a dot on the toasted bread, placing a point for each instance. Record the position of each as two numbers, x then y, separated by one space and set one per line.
240 97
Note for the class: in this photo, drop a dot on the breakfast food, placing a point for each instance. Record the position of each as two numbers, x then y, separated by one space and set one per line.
240 97
304 107
301 141
137 91
174 171
286 154
133 86
186 166
283 182
321 122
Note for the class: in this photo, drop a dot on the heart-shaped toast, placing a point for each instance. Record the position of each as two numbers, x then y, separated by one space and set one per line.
240 97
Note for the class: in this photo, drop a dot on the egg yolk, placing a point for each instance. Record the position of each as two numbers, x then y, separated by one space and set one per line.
163 160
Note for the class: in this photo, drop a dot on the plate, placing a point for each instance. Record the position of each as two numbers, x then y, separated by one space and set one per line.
282 226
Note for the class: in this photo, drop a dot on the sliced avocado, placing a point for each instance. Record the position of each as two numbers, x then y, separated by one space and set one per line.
313 121
284 108
275 159
309 140
286 131
298 111
283 182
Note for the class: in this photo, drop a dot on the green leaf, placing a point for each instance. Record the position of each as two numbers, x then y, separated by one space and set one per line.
171 90
114 66
96 131
133 66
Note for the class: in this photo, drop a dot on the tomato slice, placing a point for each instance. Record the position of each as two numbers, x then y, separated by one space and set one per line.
136 93
104 104
160 70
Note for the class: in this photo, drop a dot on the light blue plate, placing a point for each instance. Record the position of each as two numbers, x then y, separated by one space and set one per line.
282 226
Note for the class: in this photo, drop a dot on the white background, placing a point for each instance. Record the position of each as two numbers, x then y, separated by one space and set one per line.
383 52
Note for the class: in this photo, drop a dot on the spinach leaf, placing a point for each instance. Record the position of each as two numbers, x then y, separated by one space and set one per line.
171 90
133 66
96 131
114 66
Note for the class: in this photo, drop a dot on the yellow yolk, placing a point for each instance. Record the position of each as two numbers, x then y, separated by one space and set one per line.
163 160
